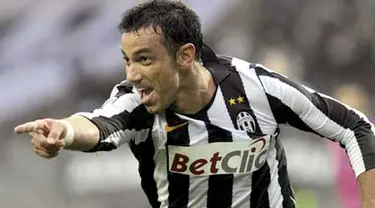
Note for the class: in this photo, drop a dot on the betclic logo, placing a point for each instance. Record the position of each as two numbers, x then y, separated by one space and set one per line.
219 157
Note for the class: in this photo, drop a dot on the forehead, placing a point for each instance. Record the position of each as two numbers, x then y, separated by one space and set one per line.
143 38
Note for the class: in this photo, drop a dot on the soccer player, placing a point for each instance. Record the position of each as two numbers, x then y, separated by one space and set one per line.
203 127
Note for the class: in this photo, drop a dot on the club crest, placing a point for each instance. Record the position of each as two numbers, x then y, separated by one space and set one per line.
245 121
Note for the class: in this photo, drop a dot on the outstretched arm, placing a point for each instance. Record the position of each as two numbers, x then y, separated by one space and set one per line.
121 119
51 134
86 134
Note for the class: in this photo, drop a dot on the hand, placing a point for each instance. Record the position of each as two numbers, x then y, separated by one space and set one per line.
46 136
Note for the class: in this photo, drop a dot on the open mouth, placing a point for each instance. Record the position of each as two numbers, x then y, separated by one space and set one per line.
146 94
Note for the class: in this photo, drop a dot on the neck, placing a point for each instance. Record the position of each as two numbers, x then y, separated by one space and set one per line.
196 90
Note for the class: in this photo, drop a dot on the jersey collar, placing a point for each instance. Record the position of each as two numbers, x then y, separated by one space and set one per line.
219 68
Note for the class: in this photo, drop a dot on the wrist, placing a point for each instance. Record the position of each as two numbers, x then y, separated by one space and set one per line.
69 132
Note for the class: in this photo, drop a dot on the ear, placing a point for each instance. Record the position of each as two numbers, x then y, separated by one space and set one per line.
186 55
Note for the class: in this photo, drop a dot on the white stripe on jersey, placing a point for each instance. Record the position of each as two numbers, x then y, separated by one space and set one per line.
241 183
197 131
361 168
116 137
316 119
256 96
215 112
359 113
114 106
159 138
198 135
274 190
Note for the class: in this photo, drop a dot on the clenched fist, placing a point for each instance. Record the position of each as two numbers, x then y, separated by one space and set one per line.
47 136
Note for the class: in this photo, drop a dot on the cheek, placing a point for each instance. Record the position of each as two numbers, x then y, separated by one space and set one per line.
171 83
167 81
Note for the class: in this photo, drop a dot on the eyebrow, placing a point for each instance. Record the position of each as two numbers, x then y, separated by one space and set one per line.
142 50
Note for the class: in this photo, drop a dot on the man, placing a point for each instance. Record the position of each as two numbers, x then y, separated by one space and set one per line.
204 128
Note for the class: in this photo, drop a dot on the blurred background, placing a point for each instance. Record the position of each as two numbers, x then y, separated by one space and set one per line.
63 56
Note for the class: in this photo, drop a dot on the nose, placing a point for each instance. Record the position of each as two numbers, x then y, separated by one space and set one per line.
133 76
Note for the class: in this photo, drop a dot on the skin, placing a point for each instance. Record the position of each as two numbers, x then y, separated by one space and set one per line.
366 182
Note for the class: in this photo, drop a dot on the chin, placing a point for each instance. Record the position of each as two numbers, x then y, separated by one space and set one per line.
153 109
156 108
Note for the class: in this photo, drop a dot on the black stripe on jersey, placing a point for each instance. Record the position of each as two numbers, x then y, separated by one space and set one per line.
339 114
144 153
220 187
286 189
137 119
178 188
261 180
350 120
124 88
232 89
119 90
282 113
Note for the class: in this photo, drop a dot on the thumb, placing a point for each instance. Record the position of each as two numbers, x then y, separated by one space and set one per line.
56 133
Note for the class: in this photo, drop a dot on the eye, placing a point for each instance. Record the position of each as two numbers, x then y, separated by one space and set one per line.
126 59
145 60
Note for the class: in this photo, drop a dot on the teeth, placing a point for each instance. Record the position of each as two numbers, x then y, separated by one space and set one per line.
144 89
141 89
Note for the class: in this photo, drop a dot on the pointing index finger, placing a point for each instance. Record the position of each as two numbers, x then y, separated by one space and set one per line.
28 127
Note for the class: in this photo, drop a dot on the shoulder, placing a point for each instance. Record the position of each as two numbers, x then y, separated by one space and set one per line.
123 94
246 69
123 88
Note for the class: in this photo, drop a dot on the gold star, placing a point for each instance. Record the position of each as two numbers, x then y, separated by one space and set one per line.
240 99
232 101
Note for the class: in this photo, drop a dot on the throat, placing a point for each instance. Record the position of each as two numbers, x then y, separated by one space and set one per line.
196 96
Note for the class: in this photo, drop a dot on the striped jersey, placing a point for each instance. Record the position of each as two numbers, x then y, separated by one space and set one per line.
229 153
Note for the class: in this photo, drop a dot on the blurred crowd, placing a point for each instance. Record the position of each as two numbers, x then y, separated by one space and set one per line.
63 56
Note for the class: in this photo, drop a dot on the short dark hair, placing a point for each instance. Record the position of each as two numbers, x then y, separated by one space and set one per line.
178 23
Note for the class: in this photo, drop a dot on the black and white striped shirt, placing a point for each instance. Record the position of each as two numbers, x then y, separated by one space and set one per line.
229 153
